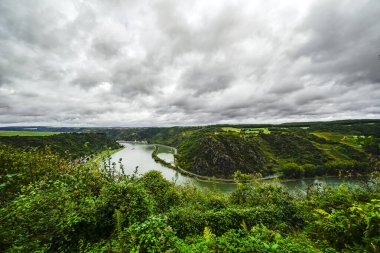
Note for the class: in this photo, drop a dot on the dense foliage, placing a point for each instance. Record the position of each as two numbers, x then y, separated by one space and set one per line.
219 155
54 205
171 136
70 145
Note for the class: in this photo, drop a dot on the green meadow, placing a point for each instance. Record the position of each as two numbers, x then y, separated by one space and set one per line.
26 133
255 130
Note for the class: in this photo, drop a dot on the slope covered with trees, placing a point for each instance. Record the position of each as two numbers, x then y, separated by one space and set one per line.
206 153
171 136
291 151
70 145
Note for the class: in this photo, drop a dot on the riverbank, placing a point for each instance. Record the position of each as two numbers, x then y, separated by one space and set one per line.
170 165
96 159
201 178
157 159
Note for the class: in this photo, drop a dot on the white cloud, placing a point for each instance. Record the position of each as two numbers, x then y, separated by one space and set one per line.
122 63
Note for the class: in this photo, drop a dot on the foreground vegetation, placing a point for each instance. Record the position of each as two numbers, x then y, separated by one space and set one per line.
50 204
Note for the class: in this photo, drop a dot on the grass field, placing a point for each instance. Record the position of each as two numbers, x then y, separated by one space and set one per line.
164 149
246 130
351 140
232 129
98 158
257 130
26 133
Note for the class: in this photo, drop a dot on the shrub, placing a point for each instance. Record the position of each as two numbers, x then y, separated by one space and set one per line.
162 191
348 228
271 197
152 235
129 198
49 216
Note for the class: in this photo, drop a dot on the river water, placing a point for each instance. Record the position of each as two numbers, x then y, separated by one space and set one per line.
140 155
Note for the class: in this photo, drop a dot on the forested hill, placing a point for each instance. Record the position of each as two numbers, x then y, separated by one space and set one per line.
171 136
174 135
291 153
70 145
293 150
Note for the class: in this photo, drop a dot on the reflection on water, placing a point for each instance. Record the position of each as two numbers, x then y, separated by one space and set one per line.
167 157
140 155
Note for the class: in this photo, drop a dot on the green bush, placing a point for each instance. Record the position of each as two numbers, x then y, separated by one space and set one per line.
127 197
292 170
270 197
349 228
152 235
256 239
161 190
50 215
20 167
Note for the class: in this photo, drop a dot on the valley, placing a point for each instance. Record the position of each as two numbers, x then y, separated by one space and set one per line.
255 188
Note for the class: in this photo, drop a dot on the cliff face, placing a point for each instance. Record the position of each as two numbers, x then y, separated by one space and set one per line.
220 154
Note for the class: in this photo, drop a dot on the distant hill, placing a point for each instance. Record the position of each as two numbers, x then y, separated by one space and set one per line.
292 150
294 153
69 145
44 129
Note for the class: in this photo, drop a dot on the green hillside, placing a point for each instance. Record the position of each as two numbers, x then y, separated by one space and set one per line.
70 145
26 133
292 152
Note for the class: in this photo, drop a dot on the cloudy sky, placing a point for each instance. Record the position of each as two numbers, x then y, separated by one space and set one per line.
180 62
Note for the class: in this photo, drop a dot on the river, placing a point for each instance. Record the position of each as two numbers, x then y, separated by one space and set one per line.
140 155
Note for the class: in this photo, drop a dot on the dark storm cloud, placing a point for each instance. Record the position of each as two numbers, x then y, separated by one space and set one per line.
3 80
205 80
287 87
88 77
136 80
106 49
188 62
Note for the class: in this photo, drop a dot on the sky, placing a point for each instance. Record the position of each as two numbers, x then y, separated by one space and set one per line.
180 62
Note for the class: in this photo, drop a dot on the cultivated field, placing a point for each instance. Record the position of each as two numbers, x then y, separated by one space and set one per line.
26 133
